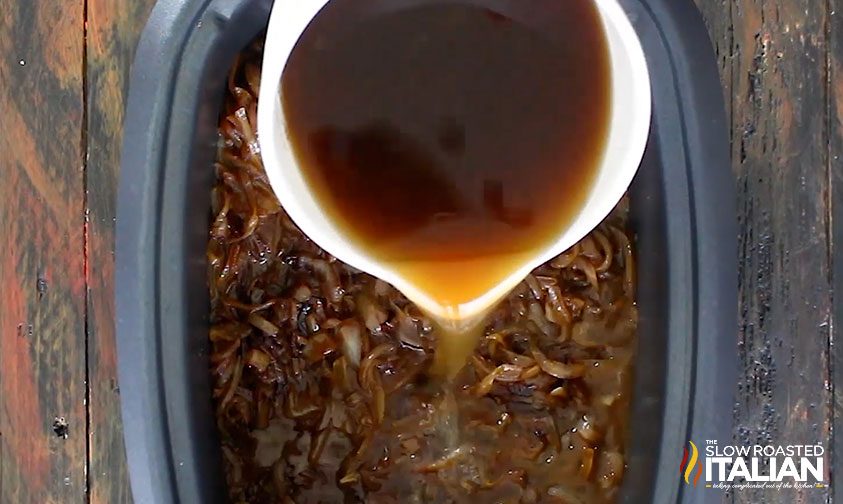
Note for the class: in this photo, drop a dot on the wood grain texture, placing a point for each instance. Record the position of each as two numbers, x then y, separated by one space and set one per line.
113 30
773 62
781 63
835 160
42 254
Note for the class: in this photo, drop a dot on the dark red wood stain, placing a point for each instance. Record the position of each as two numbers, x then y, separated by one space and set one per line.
42 332
20 434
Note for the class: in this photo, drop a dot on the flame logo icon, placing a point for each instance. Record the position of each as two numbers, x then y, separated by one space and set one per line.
686 468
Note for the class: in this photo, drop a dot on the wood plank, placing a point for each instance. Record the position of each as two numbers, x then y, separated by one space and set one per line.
113 30
42 253
835 161
774 64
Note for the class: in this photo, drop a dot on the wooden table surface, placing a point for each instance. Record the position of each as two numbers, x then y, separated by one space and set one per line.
64 67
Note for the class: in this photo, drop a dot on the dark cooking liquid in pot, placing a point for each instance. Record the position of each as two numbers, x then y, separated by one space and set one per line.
449 141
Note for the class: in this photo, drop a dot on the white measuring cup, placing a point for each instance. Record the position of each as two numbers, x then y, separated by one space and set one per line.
628 131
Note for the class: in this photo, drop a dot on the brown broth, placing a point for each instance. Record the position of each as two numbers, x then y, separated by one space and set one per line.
448 141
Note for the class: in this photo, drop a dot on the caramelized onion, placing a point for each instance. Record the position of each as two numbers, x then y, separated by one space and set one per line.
257 359
320 372
350 335
559 369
